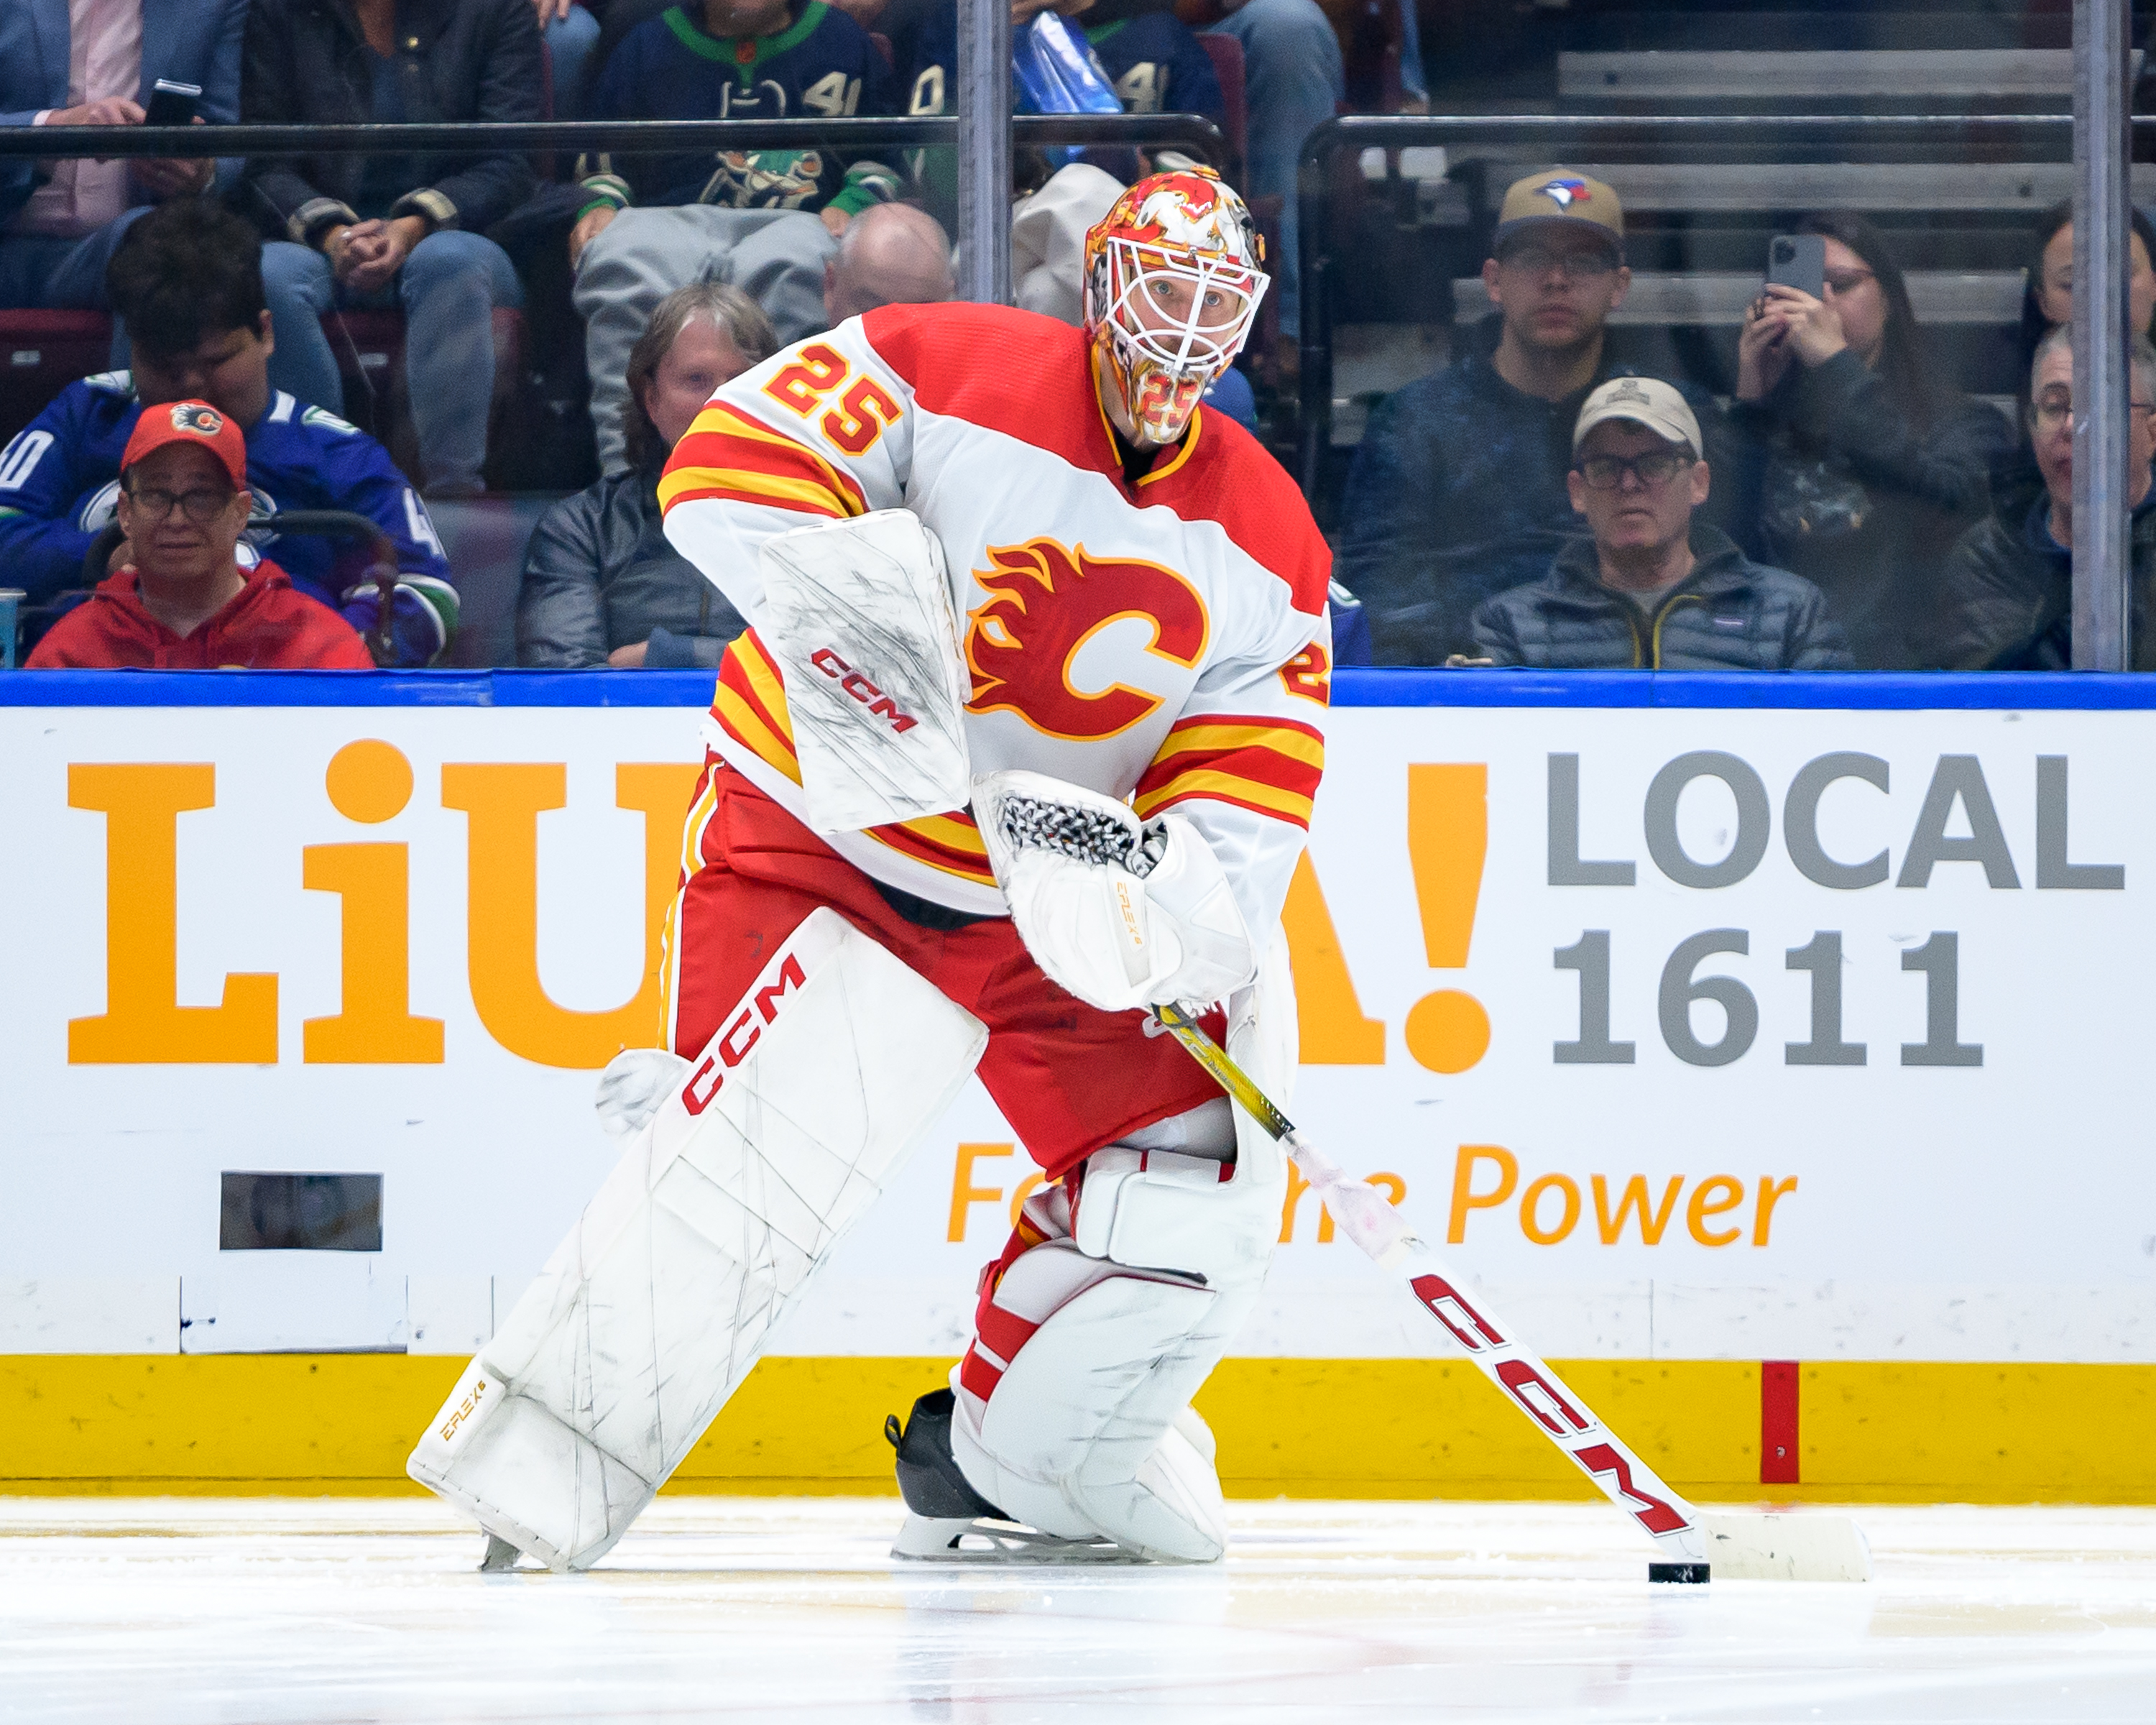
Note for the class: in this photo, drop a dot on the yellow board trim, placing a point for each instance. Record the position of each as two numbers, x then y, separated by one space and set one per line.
300 1424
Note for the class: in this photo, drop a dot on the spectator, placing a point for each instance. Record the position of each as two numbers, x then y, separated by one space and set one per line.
95 65
182 601
398 231
602 585
1860 465
890 254
2008 602
1654 588
188 281
1459 490
2048 300
764 221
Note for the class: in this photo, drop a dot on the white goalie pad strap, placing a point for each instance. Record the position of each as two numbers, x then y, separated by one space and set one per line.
648 1316
1103 932
857 614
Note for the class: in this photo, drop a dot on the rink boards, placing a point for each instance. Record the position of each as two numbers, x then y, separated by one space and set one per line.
1781 1069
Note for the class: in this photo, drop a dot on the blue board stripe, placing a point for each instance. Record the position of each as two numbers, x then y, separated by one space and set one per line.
1353 687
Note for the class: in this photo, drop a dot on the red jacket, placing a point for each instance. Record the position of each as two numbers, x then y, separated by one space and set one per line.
266 626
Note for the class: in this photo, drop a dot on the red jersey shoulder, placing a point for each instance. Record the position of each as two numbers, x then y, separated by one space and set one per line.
1232 479
1008 371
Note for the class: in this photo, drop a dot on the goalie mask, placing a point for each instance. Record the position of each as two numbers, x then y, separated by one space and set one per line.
1173 283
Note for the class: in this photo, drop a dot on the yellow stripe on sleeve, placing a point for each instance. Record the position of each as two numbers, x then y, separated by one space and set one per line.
1220 739
1230 786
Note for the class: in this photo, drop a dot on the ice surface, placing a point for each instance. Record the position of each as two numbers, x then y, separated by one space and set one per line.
192 1611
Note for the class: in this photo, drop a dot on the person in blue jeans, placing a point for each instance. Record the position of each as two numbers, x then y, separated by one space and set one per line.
570 34
1292 82
403 232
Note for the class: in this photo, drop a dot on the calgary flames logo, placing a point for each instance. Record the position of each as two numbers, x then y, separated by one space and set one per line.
1045 602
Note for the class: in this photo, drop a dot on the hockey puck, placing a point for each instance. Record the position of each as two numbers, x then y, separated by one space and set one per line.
1694 1573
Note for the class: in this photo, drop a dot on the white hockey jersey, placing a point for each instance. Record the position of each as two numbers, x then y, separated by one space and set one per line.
1165 641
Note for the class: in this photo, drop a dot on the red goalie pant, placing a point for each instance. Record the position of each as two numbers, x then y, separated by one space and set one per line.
1069 1077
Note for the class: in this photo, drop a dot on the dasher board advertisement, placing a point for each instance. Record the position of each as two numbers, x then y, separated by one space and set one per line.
1700 1029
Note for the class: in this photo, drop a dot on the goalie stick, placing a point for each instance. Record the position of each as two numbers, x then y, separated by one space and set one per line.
1692 1545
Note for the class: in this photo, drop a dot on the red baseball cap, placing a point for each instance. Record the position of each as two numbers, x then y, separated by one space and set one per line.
189 422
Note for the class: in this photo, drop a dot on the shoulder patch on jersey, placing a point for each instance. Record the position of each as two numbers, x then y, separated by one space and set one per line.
112 382
328 421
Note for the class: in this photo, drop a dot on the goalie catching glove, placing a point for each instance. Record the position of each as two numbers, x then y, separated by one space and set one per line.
1122 913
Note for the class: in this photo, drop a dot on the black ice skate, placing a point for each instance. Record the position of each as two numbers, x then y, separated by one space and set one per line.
949 1522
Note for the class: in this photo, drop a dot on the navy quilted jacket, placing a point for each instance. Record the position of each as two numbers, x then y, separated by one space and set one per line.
1730 614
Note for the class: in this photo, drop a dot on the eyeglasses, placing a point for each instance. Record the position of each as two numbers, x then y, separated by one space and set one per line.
1573 266
1843 281
2051 415
201 506
1604 472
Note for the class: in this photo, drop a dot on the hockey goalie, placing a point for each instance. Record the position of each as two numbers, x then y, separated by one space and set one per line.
1021 742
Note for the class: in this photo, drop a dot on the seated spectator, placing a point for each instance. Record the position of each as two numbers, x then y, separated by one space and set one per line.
398 231
64 66
890 254
2048 300
188 281
764 221
1654 588
182 601
2007 602
1459 490
1862 466
602 585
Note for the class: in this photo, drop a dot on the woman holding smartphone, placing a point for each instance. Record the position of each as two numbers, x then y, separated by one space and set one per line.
1862 465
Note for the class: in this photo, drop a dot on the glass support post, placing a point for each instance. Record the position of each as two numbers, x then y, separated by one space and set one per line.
984 151
2102 150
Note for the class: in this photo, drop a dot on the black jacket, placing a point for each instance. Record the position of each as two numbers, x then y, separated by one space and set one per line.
457 60
1730 614
1457 492
600 574
2006 599
1850 494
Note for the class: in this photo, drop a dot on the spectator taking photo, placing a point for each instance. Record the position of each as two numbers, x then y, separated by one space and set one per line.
1860 465
1459 490
182 601
1655 588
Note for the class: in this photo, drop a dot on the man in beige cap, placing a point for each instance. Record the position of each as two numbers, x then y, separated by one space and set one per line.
1655 588
1459 490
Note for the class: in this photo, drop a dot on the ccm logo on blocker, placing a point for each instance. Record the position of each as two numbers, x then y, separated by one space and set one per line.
878 703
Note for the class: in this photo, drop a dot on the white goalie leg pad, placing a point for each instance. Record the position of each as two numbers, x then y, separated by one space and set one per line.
1073 1406
648 1316
858 615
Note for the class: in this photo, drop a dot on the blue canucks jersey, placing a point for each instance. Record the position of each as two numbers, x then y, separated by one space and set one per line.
822 64
59 479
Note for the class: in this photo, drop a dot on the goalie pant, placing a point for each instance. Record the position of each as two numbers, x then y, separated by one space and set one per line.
1100 1319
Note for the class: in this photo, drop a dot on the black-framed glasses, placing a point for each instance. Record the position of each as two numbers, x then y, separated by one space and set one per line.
202 505
1573 266
1656 468
2051 415
1843 281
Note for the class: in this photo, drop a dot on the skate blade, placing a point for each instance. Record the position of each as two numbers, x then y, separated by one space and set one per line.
958 1539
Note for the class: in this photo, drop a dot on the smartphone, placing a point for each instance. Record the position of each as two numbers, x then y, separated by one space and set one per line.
1797 260
173 103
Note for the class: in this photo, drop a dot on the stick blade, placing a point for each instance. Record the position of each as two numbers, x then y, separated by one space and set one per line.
1786 1547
